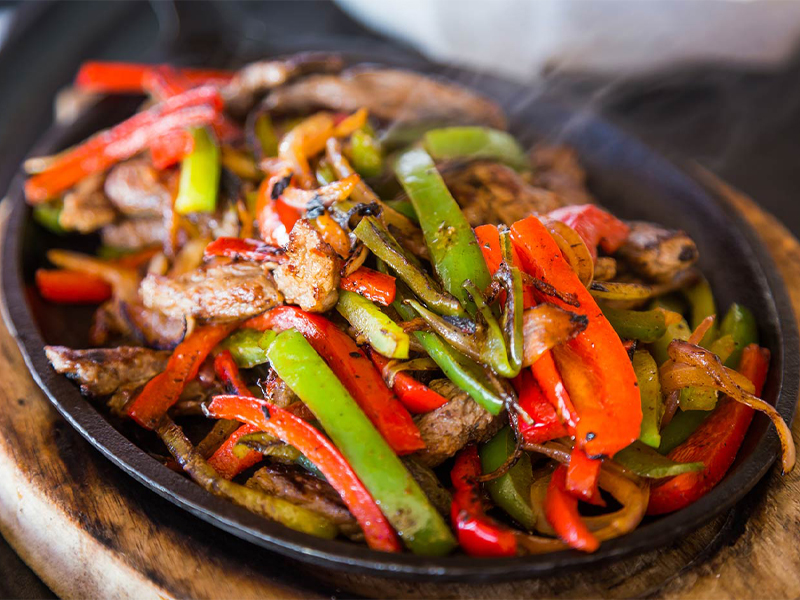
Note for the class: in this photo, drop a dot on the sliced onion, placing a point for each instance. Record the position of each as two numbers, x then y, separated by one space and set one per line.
545 326
613 290
573 248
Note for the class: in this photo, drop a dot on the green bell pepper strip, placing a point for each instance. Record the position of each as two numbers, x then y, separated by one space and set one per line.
400 498
652 401
475 142
248 347
324 173
267 138
404 207
512 491
266 444
643 325
365 152
48 215
678 430
383 334
702 305
739 323
199 182
510 277
383 245
452 244
646 462
676 331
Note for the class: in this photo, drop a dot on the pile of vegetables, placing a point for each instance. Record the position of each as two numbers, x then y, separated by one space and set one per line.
627 396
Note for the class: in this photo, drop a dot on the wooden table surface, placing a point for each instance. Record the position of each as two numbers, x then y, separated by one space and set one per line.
90 531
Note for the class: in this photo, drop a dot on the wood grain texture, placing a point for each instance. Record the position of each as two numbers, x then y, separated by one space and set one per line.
91 531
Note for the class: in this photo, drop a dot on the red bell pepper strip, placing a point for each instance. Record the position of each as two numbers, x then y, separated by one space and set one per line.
415 396
72 287
581 479
172 148
353 369
489 242
549 379
282 424
253 250
374 285
594 225
275 218
128 78
192 109
546 425
561 511
594 365
478 534
715 442
163 390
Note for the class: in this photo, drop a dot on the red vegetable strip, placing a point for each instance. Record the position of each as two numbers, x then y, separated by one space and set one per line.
715 443
127 78
163 390
594 225
603 386
415 396
478 534
72 287
170 149
489 242
581 479
561 511
549 379
244 249
319 450
275 218
371 284
546 425
353 369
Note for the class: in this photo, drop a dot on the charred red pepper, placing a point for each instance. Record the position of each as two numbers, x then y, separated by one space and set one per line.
594 365
253 250
546 425
581 479
594 225
353 369
715 442
478 534
163 390
371 284
128 78
561 511
415 396
194 108
72 287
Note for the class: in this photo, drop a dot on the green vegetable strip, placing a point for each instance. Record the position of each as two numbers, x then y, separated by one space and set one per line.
266 135
365 153
475 142
676 331
199 183
383 334
678 430
48 216
740 324
248 347
652 402
511 278
701 305
399 496
451 242
646 462
646 326
404 207
512 491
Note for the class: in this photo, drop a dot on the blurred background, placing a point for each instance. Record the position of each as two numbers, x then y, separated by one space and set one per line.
716 82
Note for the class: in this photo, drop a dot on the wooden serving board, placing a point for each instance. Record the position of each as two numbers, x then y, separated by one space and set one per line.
90 531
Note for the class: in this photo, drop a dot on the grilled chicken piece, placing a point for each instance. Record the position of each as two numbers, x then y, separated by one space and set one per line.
309 277
301 488
490 192
389 94
101 371
454 425
657 253
135 189
226 292
557 169
86 208
132 234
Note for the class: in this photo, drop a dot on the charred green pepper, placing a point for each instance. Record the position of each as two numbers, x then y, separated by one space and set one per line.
383 334
652 402
511 491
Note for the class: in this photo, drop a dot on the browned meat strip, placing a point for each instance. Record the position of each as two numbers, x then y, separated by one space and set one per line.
226 292
557 168
86 208
101 371
134 233
301 488
152 328
490 192
310 275
389 94
258 77
135 189
657 253
454 425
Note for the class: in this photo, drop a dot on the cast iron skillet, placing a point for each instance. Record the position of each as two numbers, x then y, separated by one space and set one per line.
630 179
